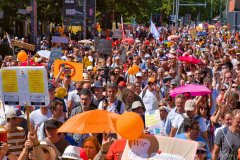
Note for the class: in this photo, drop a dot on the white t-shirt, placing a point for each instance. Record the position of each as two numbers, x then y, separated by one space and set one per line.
37 118
179 120
150 101
113 107
73 96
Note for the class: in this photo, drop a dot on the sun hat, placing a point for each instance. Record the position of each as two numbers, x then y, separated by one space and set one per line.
73 152
189 105
137 104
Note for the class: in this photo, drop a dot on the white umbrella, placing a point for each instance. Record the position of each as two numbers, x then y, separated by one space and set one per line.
85 41
44 53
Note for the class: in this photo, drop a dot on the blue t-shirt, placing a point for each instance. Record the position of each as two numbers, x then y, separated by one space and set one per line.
199 139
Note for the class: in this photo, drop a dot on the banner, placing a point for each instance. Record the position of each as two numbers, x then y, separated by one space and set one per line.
150 147
193 32
24 86
58 39
23 45
75 70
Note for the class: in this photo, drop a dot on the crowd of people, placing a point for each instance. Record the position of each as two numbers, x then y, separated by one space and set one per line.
213 119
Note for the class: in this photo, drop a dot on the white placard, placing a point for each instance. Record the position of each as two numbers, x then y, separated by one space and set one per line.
24 86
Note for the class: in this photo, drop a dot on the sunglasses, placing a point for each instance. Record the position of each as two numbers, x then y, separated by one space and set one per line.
234 87
201 152
203 108
150 83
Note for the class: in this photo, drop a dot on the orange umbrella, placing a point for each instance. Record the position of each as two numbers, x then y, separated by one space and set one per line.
94 121
133 70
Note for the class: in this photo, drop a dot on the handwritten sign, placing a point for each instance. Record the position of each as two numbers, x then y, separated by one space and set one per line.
150 147
58 39
24 86
103 46
23 45
56 53
117 34
75 70
152 121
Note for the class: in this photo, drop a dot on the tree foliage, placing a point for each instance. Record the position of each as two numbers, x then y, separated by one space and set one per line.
141 10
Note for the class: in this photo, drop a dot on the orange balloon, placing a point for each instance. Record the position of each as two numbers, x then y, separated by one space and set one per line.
130 125
22 56
133 70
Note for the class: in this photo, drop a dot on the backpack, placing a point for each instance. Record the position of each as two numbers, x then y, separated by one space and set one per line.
119 106
181 128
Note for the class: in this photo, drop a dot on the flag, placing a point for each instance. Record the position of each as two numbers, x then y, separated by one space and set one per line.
9 40
123 32
154 31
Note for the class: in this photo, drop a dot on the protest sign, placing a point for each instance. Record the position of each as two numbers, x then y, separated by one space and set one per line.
75 70
58 39
152 121
149 147
24 86
2 112
117 33
103 46
56 53
23 45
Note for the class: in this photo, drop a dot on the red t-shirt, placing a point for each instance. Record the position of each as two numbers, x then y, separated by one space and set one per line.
116 150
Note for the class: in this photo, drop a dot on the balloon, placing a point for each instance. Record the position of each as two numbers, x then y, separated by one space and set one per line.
22 56
129 125
61 92
133 70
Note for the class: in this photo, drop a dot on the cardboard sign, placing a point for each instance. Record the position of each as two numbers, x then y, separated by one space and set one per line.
152 121
23 45
57 39
24 86
150 147
103 46
75 70
56 53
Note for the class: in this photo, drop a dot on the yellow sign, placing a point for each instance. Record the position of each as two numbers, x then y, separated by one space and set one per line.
9 81
75 70
35 81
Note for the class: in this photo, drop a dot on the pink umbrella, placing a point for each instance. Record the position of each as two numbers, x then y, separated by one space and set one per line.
193 89
189 59
128 40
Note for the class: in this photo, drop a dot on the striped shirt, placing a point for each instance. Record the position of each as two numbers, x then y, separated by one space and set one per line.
16 141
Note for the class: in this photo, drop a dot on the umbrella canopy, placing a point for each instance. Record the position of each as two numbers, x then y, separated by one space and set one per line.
133 70
44 53
94 121
193 89
189 59
85 41
173 37
128 40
